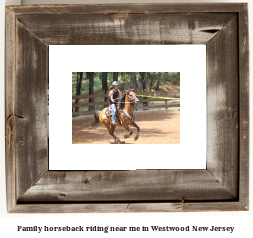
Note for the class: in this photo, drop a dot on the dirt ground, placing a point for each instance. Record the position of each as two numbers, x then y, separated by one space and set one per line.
156 127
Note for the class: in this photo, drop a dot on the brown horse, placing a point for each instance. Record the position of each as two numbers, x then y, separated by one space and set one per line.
125 116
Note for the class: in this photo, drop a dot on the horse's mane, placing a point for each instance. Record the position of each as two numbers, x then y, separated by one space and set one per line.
122 99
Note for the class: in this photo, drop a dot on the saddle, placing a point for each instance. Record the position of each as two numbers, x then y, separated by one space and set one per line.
108 113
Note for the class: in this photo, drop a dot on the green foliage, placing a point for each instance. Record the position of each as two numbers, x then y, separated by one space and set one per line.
127 76
167 81
174 77
153 77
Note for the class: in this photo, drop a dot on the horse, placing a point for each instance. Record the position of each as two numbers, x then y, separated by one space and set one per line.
125 116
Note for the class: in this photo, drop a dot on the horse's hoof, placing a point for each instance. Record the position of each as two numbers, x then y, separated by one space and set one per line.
122 142
136 138
126 136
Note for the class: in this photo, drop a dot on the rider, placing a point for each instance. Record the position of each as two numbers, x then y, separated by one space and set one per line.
114 94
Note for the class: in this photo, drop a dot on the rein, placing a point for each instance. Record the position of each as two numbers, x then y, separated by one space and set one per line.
124 102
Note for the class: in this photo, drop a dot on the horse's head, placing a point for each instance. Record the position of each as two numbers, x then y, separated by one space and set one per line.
131 96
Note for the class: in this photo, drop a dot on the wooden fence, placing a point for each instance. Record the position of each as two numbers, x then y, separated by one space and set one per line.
174 93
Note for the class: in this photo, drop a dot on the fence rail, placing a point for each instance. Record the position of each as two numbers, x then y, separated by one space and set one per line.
103 103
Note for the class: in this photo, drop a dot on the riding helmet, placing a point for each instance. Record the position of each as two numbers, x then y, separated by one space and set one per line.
115 83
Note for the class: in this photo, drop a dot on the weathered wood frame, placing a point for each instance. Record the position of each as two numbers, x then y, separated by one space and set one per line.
222 186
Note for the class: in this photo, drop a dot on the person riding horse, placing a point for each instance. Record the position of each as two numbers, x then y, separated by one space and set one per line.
114 95
125 117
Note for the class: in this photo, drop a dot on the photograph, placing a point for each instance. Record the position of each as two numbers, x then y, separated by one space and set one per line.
125 107
168 82
149 112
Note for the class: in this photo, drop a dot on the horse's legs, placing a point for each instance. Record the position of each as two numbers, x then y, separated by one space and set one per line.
138 130
111 131
127 128
117 140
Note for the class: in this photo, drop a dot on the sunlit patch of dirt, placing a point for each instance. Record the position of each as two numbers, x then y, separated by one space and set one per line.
156 127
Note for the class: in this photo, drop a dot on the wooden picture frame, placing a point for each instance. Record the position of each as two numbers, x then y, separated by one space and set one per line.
222 186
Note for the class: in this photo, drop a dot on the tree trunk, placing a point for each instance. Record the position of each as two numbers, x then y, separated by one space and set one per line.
91 90
100 75
104 84
79 84
178 78
133 82
144 83
165 76
115 76
140 80
78 87
77 100
158 84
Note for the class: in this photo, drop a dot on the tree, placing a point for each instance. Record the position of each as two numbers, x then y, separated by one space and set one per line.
140 80
104 84
152 79
159 77
158 85
133 81
165 76
78 87
144 83
91 88
115 76
174 78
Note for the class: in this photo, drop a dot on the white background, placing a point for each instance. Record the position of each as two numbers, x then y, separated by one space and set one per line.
189 60
241 220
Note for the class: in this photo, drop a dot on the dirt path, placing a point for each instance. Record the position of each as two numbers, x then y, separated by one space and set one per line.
156 127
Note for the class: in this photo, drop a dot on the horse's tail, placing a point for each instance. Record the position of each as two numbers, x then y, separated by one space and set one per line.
95 123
